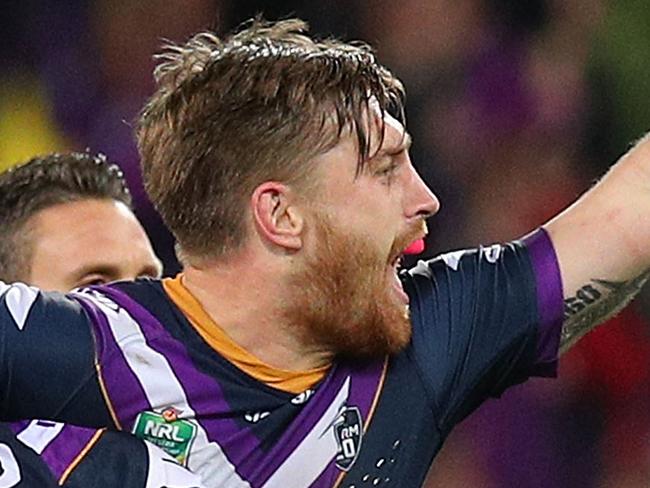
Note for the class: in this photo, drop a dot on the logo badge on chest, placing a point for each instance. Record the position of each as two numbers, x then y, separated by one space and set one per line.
348 430
167 431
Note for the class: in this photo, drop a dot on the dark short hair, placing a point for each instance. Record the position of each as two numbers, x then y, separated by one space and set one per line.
43 182
256 106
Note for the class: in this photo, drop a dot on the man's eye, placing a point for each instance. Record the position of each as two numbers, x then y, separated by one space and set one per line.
92 281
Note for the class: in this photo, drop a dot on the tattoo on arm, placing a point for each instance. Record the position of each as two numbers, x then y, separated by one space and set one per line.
593 304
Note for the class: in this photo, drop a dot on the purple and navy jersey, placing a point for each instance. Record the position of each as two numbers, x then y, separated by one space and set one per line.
44 454
126 357
20 466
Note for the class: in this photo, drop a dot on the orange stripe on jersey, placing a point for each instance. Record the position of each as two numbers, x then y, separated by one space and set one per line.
93 440
216 337
107 399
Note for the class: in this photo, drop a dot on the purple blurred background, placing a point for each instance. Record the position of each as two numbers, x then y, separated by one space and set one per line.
515 108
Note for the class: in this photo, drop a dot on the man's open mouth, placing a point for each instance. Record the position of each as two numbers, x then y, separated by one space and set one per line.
416 247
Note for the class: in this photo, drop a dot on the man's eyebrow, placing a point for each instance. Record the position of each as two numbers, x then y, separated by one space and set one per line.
404 144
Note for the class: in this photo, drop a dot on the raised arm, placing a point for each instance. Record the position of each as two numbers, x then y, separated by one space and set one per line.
603 244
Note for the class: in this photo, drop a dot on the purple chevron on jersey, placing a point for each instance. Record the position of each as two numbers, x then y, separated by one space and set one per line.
365 379
365 388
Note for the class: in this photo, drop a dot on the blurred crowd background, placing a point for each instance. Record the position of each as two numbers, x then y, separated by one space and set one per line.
515 108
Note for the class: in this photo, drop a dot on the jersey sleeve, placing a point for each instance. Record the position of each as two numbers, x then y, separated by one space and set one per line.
483 320
20 466
47 359
120 459
46 454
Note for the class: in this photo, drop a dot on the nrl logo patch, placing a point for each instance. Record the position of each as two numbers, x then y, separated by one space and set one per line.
167 431
348 431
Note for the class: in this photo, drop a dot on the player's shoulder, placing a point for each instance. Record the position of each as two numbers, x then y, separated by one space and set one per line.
142 304
142 299
450 286
456 266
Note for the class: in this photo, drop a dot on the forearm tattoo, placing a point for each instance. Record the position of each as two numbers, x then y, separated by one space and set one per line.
594 303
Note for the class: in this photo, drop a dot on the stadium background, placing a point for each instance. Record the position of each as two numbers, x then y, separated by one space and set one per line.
515 107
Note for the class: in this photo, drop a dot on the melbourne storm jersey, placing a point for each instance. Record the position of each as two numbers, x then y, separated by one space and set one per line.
143 358
45 454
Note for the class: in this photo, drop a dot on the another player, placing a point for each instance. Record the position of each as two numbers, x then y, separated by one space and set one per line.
75 209
290 352
67 222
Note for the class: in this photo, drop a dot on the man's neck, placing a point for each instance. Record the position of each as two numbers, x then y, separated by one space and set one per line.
243 299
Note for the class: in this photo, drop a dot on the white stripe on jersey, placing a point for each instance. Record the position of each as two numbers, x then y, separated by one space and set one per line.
10 475
19 299
164 390
37 436
315 451
163 471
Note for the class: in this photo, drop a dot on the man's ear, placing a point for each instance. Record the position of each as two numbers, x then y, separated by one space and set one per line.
277 215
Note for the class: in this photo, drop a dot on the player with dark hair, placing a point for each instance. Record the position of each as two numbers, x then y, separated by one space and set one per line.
72 209
67 222
291 352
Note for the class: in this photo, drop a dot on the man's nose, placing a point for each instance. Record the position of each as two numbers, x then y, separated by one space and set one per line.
422 202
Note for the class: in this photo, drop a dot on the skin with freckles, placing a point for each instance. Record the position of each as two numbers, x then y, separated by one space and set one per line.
88 242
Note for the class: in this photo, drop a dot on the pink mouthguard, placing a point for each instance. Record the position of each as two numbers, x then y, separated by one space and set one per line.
416 247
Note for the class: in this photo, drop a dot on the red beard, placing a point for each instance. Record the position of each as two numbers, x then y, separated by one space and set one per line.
342 299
